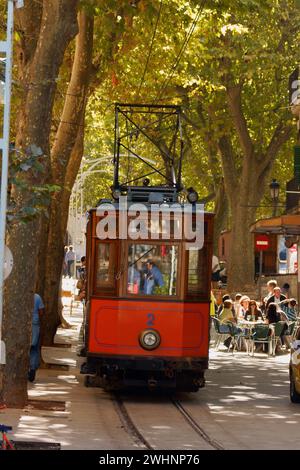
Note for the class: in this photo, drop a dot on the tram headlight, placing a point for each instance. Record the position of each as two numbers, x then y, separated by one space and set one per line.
149 339
192 196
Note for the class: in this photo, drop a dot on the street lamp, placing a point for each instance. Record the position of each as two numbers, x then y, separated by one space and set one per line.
274 189
6 49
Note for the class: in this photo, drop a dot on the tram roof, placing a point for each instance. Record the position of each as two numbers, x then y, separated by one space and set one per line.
140 206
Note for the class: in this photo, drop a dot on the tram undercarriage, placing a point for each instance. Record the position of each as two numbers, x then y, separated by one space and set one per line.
152 373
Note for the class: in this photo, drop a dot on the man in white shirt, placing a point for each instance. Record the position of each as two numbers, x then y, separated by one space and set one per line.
70 259
277 297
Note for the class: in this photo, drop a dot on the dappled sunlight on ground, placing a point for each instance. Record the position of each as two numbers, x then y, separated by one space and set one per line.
89 420
245 404
246 401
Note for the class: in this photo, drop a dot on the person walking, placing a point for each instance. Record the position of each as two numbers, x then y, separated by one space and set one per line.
70 259
270 287
65 265
34 362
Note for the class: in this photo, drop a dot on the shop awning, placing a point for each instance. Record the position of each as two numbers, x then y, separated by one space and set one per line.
288 224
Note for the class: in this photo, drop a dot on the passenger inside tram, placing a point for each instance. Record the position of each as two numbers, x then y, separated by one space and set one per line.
153 277
154 274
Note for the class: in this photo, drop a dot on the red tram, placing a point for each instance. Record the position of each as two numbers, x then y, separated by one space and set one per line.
148 296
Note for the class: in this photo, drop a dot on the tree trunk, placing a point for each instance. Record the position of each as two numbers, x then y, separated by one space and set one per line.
66 157
221 214
245 186
54 256
40 284
58 27
241 262
58 227
19 292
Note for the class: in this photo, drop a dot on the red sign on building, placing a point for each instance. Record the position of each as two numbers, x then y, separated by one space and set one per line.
262 243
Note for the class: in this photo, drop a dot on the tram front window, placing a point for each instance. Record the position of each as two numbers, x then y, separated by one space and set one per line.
197 273
152 269
105 266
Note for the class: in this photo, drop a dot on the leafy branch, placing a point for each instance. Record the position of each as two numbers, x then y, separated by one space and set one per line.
21 165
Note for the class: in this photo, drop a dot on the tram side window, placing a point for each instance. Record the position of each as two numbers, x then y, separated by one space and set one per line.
105 266
152 269
197 273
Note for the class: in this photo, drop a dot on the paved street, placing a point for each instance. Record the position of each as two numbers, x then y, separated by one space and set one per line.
245 404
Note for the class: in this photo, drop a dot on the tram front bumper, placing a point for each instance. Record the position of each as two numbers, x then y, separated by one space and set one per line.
95 363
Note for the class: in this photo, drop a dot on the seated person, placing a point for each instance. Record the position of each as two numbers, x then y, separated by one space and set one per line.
289 307
227 315
273 314
244 301
237 306
253 313
213 305
153 278
220 308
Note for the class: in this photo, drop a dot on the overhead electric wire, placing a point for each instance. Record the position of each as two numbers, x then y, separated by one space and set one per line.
182 50
151 47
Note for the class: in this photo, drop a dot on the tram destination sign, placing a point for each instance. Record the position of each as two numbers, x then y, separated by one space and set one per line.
262 243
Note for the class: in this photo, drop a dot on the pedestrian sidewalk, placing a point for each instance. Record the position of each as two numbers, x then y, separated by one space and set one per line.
74 416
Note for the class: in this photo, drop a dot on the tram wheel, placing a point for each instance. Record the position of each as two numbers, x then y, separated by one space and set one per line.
188 382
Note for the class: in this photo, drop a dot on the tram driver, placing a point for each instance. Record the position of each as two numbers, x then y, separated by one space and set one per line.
153 278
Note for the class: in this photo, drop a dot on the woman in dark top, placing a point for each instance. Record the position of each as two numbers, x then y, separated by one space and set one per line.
272 316
253 313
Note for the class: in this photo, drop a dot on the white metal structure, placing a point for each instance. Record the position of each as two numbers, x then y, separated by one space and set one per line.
6 48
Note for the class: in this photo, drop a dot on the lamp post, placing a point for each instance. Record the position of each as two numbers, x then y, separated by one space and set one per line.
274 189
6 49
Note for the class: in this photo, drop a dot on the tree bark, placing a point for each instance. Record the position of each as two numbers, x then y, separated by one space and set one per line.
221 219
241 262
66 156
245 187
58 26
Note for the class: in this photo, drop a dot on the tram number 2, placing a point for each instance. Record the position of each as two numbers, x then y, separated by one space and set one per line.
150 319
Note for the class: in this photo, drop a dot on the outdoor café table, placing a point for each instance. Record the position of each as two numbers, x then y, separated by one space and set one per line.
249 325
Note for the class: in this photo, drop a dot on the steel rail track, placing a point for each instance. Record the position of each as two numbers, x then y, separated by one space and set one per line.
140 440
128 423
197 428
